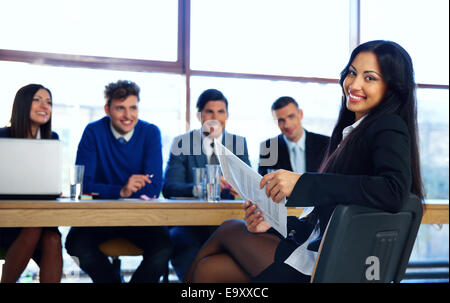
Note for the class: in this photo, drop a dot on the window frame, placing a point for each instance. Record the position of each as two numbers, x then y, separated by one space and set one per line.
182 64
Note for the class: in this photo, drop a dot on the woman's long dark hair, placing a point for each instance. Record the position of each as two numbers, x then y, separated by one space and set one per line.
20 116
400 98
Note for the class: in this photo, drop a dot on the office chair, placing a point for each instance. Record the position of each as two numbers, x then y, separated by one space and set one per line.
362 244
117 247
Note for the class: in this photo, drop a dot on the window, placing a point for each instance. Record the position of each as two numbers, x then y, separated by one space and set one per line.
133 29
434 144
270 37
421 27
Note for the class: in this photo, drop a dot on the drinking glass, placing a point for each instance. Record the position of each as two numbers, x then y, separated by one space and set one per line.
76 181
212 183
199 182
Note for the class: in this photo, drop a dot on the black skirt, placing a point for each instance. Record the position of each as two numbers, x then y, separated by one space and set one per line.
280 272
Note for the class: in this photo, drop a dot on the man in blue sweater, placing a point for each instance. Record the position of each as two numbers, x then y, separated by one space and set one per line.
123 159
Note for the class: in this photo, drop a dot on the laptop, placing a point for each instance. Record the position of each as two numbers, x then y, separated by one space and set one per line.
30 169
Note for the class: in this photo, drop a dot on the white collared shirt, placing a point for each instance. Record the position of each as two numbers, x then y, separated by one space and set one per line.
346 131
300 144
117 135
206 144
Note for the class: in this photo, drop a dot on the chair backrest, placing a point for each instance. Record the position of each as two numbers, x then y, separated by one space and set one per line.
363 244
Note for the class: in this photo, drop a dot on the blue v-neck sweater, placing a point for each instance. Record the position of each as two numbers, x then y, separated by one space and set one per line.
109 163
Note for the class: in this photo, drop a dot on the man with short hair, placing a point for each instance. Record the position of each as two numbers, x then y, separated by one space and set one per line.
194 149
295 149
122 156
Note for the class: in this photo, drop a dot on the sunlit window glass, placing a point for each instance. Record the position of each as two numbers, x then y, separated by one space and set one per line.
131 29
289 37
434 141
421 27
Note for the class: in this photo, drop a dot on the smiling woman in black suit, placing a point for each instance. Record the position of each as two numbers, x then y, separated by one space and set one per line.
31 118
372 160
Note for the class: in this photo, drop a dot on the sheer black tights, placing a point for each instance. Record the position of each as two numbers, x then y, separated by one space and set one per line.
232 254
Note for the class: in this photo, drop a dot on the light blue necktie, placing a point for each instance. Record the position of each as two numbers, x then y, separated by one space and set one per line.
122 140
297 160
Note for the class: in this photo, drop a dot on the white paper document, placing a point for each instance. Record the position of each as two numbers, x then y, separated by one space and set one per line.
246 181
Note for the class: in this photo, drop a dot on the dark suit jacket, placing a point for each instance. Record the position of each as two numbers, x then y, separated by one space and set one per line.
187 153
375 172
315 148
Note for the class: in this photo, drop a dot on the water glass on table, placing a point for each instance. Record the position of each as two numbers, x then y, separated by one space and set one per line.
212 183
199 183
76 181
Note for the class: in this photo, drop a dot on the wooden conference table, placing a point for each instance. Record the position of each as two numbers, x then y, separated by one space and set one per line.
65 212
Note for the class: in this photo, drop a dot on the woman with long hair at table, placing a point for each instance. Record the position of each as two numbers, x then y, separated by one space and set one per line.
372 160
31 119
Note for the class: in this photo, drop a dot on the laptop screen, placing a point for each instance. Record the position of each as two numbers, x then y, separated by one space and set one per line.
30 168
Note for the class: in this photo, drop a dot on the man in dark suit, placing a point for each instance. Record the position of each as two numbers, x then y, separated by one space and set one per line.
295 149
194 149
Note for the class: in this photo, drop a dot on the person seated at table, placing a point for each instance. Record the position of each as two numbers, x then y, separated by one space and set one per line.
123 159
31 118
194 149
295 149
372 160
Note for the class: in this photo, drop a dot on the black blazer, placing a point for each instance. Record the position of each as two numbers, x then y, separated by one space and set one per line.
315 148
377 174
